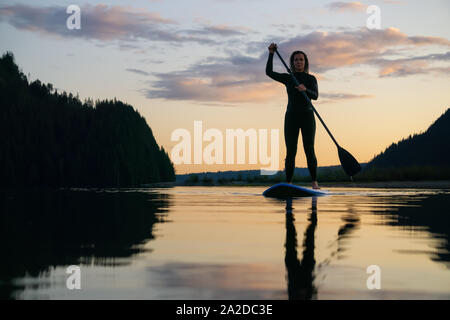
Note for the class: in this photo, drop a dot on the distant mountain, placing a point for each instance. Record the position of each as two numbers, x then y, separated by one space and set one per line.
430 148
251 175
230 175
53 139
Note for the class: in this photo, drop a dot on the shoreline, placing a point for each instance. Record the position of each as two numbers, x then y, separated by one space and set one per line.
428 184
438 184
432 184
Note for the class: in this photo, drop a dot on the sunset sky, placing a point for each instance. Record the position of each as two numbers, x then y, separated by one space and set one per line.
181 61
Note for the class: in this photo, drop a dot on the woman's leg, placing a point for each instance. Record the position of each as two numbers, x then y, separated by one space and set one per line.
291 131
308 127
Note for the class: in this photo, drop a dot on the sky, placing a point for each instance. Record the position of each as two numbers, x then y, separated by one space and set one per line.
177 62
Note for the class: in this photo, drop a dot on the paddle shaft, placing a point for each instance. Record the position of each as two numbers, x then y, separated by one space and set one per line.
307 99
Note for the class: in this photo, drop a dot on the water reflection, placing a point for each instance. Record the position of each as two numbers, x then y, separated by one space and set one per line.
430 214
424 216
300 274
224 243
43 229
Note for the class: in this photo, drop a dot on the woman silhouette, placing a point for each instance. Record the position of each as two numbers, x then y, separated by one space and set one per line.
299 115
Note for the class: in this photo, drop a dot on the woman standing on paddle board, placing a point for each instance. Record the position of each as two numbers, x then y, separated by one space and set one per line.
299 116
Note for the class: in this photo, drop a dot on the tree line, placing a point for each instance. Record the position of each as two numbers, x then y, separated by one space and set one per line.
423 156
53 139
430 148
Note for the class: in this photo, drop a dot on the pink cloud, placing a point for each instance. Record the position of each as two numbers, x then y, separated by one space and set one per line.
347 6
241 78
109 23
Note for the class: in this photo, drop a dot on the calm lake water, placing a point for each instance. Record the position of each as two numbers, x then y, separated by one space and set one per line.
225 243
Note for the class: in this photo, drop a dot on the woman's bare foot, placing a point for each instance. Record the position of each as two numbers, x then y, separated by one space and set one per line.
315 185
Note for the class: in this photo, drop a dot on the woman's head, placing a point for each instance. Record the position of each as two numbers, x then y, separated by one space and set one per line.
299 62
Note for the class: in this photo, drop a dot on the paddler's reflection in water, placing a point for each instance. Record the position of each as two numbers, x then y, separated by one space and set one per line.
300 274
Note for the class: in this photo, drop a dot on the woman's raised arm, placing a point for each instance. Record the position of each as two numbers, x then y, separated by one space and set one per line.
280 77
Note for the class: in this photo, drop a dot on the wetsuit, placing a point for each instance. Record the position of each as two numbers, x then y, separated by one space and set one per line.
299 116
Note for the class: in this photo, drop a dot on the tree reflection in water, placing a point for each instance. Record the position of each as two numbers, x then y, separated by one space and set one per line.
42 229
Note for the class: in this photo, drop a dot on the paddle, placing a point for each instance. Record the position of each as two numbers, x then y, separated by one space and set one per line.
348 162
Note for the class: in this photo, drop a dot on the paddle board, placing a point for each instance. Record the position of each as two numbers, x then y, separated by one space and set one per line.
287 190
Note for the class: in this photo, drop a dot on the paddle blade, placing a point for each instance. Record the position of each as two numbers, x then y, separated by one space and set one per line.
348 162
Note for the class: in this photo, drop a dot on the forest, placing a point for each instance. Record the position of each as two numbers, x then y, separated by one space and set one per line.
52 139
422 156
